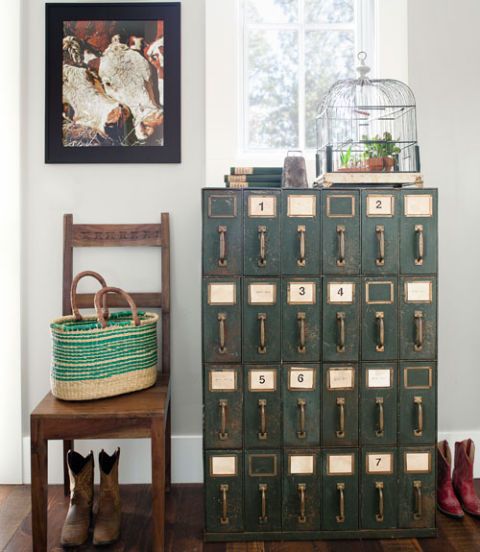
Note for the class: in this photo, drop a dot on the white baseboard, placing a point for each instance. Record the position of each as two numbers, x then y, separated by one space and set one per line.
135 459
453 436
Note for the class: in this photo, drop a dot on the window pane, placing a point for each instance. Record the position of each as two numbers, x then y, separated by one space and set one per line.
272 96
329 11
271 11
329 56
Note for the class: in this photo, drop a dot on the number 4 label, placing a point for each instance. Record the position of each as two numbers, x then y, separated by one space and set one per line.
301 378
341 292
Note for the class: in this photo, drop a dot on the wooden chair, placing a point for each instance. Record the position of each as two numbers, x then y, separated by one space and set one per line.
144 414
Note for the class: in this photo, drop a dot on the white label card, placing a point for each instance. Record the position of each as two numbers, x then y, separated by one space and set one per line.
419 291
301 206
340 464
417 461
418 205
380 205
301 293
262 380
223 465
301 464
262 294
221 294
379 377
301 378
340 378
223 380
340 292
262 206
379 463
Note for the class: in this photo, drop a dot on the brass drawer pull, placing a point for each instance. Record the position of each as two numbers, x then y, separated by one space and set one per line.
262 404
263 518
301 488
223 433
381 421
262 347
301 237
379 516
341 506
301 403
340 433
380 232
340 332
341 245
224 518
262 259
420 244
301 331
221 317
418 401
417 489
222 237
418 331
380 346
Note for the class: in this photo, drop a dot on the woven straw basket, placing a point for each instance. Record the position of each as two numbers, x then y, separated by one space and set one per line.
104 355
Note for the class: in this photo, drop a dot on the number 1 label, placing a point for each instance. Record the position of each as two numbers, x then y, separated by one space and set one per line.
262 206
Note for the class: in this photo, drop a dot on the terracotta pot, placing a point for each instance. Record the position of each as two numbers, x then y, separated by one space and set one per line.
389 164
375 164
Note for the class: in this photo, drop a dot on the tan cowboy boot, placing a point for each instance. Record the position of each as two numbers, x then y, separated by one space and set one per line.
107 521
79 515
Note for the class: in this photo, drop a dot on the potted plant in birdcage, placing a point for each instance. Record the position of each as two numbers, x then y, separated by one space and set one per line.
349 162
381 153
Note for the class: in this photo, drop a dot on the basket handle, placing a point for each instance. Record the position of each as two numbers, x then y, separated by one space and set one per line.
73 292
101 315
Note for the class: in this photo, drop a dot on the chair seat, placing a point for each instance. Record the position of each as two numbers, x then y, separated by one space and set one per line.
148 403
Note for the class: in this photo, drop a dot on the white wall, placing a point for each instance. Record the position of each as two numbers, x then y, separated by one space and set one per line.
116 194
444 44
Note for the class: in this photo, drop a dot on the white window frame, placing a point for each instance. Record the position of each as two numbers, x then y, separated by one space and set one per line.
364 27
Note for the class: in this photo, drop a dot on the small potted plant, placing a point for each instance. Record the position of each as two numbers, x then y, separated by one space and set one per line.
381 153
345 157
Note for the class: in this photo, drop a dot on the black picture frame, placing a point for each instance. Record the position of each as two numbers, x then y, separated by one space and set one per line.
56 14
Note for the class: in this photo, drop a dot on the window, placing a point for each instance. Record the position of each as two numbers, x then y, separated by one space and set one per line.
292 51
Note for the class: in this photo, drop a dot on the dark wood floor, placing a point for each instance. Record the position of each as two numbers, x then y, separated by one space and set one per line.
184 531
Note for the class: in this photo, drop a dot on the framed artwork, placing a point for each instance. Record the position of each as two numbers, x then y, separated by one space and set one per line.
113 83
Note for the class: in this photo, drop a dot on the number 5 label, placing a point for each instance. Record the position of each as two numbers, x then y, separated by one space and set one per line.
301 378
262 380
341 292
262 206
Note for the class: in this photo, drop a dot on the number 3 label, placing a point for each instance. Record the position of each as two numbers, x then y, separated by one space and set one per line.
301 378
262 380
301 293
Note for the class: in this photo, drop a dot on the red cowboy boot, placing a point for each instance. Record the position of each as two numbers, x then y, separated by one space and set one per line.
463 477
447 502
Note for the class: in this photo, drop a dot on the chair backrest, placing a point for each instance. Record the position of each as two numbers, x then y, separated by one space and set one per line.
121 235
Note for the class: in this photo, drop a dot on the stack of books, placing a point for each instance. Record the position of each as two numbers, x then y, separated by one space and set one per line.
254 177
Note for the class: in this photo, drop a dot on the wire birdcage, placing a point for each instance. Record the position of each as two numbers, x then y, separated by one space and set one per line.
367 125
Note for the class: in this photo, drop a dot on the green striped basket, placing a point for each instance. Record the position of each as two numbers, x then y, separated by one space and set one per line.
103 355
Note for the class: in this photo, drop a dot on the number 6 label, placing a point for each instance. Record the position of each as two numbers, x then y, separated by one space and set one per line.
341 292
262 380
262 206
301 378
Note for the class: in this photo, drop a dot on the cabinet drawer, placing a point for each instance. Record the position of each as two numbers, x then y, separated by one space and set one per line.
262 233
222 329
340 489
418 232
418 318
378 404
224 491
263 407
263 490
301 241
417 405
223 413
417 487
341 232
379 319
380 232
379 494
222 232
301 405
340 405
261 320
301 332
301 490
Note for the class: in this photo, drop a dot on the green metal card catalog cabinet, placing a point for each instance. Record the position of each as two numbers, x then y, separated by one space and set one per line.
319 363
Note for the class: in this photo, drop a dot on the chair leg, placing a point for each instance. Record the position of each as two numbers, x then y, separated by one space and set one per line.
39 487
158 483
168 451
67 445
